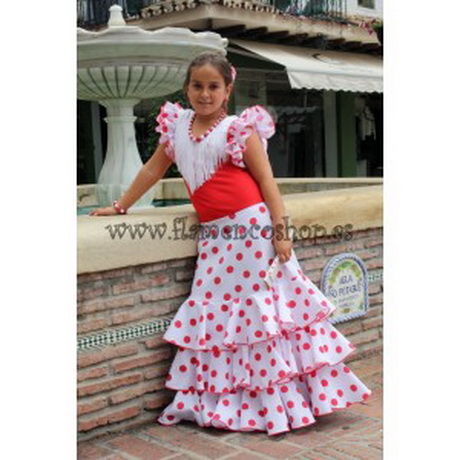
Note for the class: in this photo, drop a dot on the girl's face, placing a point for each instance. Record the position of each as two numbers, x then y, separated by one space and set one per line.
207 91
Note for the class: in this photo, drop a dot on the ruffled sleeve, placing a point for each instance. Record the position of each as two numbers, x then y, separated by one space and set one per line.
255 117
167 121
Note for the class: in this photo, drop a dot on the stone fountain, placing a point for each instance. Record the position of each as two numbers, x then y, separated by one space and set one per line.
120 66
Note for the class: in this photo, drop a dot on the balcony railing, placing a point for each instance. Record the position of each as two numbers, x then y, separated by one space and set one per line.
321 9
94 13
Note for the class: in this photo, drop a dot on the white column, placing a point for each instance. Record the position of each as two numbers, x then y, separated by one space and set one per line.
122 161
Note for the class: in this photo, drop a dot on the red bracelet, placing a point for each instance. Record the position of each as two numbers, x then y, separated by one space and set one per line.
118 208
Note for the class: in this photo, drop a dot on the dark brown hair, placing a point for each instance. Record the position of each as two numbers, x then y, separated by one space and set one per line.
217 60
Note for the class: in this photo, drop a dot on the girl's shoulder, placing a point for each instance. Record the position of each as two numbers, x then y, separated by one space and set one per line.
171 112
254 118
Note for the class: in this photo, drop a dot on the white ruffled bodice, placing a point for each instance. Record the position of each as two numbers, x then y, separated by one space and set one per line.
198 161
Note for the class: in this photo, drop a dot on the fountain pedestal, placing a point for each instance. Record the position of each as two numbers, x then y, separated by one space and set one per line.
122 162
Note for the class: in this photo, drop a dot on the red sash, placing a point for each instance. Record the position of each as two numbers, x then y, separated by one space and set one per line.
230 189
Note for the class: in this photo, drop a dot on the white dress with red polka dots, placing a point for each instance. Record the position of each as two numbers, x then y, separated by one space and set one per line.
251 356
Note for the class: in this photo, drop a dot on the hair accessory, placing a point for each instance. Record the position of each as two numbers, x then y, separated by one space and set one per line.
118 208
233 72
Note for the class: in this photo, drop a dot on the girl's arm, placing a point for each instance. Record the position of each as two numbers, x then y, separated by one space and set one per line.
259 166
152 171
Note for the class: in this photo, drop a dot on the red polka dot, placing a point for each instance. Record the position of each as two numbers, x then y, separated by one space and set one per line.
365 395
217 280
333 334
210 316
290 404
208 294
284 389
258 254
193 322
264 318
338 349
178 324
187 339
245 406
279 409
305 419
270 425
246 274
324 382
248 244
239 256
340 392
334 402
322 396
180 405
252 422
353 387
334 373
183 368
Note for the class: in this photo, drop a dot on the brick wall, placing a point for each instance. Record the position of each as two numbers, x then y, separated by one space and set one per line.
121 385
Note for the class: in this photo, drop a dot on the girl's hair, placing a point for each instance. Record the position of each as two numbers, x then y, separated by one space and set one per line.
218 61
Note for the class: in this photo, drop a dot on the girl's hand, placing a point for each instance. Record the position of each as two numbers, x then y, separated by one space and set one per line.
283 249
108 211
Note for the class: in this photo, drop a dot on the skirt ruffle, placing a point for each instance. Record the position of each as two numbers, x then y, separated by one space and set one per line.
250 357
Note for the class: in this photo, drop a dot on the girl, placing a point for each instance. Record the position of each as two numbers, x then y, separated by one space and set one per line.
255 351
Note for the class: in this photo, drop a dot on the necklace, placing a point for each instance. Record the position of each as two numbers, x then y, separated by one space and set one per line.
204 135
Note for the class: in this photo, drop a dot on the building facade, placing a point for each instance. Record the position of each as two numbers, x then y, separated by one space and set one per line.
315 65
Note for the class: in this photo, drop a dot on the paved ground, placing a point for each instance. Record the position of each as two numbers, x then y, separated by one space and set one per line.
355 433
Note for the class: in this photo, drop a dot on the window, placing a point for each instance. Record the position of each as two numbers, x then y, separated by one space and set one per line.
367 4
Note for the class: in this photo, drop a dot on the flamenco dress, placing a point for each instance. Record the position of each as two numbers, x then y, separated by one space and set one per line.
250 356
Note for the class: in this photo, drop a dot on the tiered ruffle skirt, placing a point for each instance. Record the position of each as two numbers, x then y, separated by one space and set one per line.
252 357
